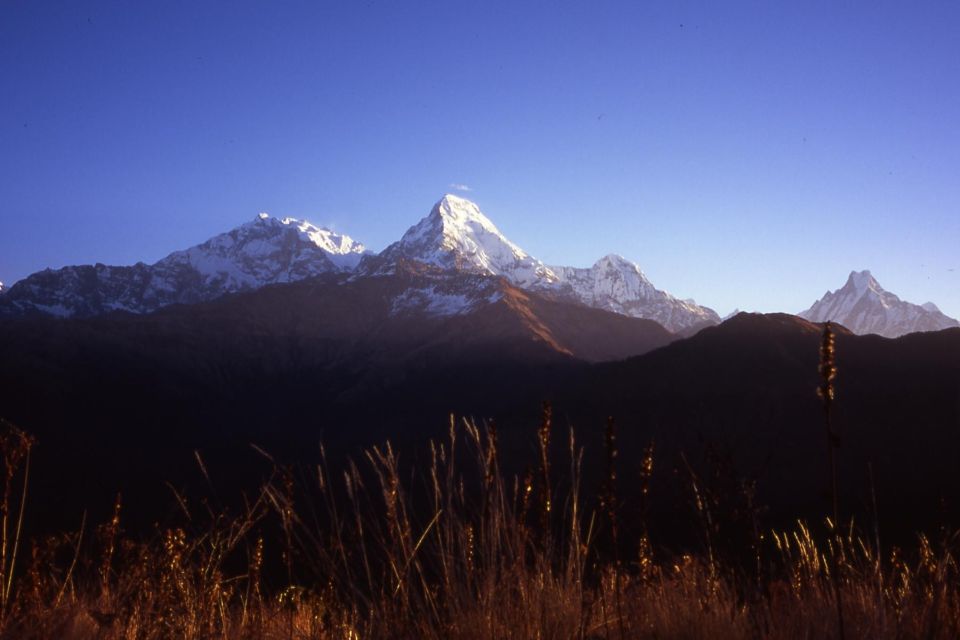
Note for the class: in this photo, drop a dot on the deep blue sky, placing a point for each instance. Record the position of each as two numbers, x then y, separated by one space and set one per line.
746 155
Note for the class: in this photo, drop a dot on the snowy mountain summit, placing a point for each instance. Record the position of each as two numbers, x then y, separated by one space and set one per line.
269 250
616 284
457 236
265 251
863 306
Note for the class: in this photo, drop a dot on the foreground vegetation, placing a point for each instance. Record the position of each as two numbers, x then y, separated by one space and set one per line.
458 550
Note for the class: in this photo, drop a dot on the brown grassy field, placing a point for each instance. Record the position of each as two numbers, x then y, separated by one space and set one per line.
458 550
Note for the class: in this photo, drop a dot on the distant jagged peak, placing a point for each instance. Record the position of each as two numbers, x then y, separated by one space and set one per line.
326 239
617 262
610 272
863 306
617 284
862 284
863 281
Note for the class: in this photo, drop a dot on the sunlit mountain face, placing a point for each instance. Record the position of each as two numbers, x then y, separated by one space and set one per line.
454 237
265 251
863 306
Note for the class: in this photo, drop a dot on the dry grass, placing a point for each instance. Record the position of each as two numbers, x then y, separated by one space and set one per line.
459 550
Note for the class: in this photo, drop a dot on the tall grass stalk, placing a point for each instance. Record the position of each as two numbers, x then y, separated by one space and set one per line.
15 448
827 391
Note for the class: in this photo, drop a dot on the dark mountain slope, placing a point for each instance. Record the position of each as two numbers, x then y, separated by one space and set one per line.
739 400
124 399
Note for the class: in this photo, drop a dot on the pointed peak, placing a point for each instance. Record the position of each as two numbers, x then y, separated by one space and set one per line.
457 235
613 257
457 211
863 280
616 262
454 199
263 215
863 306
616 259
451 203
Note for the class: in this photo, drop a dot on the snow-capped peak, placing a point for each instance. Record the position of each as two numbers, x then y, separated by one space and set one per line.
456 235
619 285
617 261
863 306
270 250
343 250
457 213
465 230
264 251
862 281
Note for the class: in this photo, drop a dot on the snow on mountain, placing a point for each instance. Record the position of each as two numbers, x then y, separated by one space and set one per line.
456 235
616 284
863 306
444 297
265 251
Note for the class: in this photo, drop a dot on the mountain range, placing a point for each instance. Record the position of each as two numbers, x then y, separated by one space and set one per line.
455 238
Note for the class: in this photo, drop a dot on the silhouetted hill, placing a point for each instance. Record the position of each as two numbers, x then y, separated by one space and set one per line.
740 400
123 400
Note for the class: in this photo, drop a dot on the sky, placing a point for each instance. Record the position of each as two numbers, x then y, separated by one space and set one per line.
746 155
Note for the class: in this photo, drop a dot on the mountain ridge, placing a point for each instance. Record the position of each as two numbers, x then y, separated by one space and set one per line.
265 251
455 237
